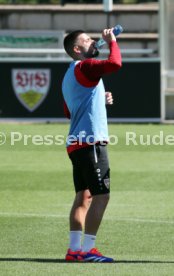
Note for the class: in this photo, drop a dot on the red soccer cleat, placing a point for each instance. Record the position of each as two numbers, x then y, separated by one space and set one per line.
73 256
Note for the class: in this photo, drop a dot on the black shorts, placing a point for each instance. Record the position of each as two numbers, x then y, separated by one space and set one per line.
91 169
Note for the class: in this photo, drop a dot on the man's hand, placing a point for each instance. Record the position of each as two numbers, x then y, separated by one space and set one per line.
108 35
108 98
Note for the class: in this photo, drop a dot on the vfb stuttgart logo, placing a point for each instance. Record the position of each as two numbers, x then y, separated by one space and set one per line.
31 86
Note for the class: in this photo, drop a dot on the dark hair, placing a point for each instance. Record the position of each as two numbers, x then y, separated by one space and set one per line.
70 40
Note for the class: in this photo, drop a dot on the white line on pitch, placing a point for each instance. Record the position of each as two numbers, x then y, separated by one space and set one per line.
144 220
21 215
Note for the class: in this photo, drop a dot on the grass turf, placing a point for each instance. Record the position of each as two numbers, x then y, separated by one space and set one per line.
36 193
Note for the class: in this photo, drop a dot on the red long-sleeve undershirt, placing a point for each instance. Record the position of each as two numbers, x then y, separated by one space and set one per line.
89 71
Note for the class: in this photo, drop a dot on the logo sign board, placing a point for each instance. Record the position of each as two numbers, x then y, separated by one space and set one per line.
31 86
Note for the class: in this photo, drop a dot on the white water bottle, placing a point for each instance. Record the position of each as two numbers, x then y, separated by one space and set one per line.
116 31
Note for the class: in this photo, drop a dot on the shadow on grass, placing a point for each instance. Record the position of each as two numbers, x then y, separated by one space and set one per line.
43 260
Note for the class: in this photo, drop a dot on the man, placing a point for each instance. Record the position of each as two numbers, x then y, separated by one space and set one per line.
85 99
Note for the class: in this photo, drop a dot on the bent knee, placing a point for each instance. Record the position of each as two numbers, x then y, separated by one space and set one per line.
83 198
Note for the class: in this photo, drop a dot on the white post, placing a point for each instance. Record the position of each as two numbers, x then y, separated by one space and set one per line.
162 55
167 59
108 5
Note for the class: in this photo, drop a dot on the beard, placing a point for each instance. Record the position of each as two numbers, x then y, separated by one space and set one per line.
95 52
91 53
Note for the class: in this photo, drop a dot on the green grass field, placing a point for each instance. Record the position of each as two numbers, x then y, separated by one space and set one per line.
36 193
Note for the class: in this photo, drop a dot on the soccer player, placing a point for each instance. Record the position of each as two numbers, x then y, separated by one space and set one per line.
84 103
